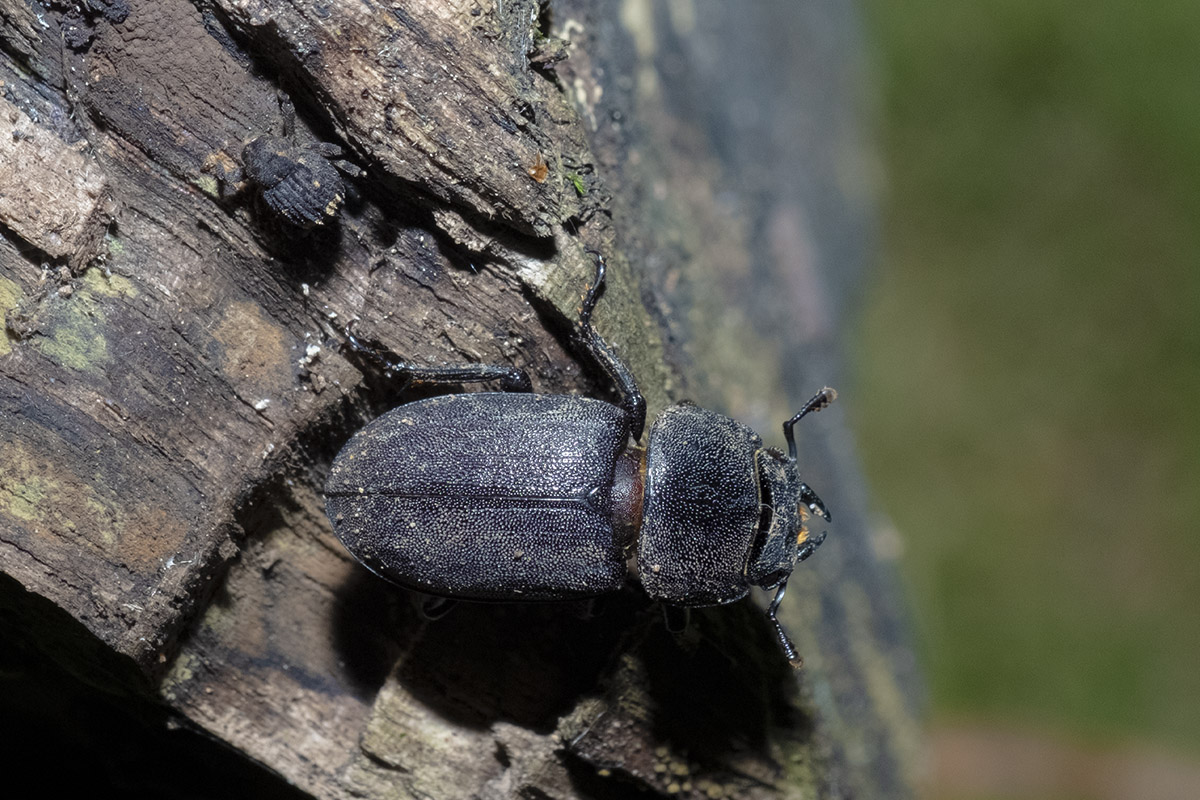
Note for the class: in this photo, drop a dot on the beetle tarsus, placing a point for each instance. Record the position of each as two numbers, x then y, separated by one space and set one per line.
785 641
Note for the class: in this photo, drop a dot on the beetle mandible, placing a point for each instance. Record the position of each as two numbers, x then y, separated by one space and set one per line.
517 496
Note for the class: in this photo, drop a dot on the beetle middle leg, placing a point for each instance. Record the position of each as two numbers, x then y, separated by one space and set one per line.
434 607
512 379
676 618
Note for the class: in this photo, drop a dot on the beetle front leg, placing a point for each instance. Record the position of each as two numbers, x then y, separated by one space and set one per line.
785 641
631 401
817 402
511 379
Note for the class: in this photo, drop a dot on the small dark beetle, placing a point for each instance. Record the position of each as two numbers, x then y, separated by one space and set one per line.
503 496
302 184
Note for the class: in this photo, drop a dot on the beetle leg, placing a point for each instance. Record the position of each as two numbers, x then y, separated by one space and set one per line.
330 151
433 607
512 379
288 110
676 618
785 641
591 608
631 401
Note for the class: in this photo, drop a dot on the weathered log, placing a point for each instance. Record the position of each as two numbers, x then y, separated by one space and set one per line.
172 390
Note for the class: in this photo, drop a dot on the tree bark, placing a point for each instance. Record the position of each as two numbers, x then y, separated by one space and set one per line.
172 390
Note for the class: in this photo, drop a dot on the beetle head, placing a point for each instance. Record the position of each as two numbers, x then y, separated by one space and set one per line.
786 503
783 537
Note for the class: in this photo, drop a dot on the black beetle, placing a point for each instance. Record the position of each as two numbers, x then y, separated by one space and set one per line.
506 496
301 183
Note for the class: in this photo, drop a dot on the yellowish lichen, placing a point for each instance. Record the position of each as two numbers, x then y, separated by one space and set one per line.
181 672
96 282
10 296
73 327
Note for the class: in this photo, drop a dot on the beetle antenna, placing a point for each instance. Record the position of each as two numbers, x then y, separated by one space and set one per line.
785 641
818 401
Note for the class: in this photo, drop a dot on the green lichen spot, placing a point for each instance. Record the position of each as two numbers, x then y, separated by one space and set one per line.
110 285
182 672
74 327
578 183
114 245
75 340
23 500
109 520
10 296
208 184
24 485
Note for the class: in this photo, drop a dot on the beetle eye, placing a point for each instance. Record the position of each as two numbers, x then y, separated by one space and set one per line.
774 579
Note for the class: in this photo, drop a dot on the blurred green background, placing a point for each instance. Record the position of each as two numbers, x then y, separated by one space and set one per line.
1028 369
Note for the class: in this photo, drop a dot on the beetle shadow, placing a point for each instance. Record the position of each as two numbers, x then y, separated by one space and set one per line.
715 703
720 687
481 663
371 622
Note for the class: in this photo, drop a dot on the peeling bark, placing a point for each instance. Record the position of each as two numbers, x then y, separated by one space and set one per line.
172 390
